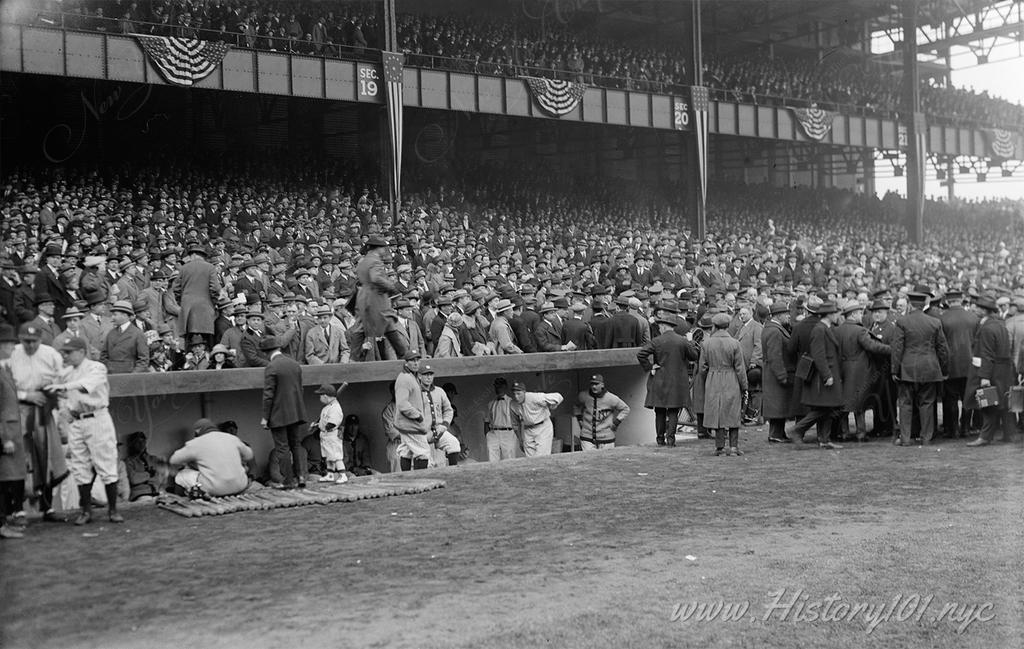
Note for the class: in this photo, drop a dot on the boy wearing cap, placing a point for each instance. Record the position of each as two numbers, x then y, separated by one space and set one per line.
329 428
532 412
83 396
599 414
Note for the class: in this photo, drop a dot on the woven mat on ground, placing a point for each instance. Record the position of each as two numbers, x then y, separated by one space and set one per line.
313 494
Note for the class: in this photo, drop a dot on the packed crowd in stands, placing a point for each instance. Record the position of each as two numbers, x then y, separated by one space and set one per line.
472 270
522 46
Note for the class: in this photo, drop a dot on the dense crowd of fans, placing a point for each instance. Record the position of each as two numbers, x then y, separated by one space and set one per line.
523 46
87 252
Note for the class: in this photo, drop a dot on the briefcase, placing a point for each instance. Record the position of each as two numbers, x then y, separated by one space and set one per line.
1017 398
987 397
804 367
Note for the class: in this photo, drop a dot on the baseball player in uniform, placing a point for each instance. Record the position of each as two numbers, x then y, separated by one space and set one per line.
532 411
329 427
84 394
422 416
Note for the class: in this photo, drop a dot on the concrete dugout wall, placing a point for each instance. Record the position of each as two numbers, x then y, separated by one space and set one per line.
165 405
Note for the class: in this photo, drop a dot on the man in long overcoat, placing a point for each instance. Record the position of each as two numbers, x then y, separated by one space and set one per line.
198 288
822 392
991 365
778 374
664 359
373 303
725 381
855 345
958 325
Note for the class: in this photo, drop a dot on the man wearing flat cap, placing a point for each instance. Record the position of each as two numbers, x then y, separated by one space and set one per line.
990 366
958 325
920 362
373 303
778 373
724 378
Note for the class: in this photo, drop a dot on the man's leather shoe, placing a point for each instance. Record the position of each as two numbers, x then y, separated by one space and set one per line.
115 517
10 532
830 445
83 518
53 517
979 442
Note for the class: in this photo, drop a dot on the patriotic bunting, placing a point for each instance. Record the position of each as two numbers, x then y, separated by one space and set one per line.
556 97
1005 144
183 61
815 121
392 64
700 99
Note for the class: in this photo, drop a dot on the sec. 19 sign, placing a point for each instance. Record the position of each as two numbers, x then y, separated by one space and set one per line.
368 82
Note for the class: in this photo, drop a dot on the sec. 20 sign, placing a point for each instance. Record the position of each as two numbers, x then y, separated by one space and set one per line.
368 82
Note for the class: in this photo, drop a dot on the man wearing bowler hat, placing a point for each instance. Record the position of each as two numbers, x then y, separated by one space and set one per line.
920 362
284 411
125 349
990 366
83 393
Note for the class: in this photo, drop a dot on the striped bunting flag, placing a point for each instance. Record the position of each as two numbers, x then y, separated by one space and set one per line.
556 97
815 121
183 61
392 63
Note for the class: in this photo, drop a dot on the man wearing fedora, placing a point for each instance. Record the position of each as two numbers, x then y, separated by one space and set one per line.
373 303
125 349
83 393
73 319
325 342
9 283
163 308
197 288
821 393
284 410
250 354
920 362
500 333
665 360
991 365
958 325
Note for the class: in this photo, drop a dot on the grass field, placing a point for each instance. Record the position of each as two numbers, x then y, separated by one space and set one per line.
606 549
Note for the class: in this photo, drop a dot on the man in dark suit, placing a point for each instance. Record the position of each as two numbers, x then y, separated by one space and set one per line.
44 321
920 361
125 349
958 325
625 328
822 392
991 365
882 328
49 281
578 332
284 411
549 332
601 324
9 282
801 341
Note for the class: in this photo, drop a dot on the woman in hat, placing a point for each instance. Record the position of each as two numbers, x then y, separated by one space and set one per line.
725 380
221 358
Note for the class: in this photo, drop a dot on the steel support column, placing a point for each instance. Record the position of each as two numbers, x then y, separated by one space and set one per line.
695 199
916 128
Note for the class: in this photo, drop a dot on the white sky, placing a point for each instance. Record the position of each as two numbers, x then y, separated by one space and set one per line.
1003 78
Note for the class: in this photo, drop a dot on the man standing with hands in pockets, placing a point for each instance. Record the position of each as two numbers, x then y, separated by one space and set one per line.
283 411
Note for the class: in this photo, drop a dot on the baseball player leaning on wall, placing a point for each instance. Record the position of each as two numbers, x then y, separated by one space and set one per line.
84 394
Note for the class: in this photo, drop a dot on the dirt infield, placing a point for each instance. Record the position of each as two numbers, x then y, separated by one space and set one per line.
609 549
